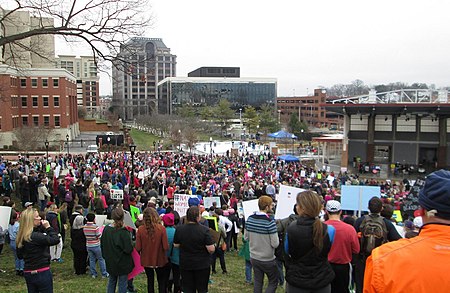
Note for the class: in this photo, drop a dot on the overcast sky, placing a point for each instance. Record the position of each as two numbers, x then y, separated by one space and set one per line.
305 44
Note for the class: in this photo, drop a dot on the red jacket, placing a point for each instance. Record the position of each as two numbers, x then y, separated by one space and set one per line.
418 264
153 249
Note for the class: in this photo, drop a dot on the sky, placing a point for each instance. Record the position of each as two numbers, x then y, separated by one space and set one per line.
307 44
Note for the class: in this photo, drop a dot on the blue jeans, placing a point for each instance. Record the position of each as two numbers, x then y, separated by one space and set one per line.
43 204
40 282
95 253
248 271
19 262
280 272
122 283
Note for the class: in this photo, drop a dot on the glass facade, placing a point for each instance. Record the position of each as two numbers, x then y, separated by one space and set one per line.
174 94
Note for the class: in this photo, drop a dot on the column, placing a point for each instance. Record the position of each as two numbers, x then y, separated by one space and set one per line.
344 157
442 148
370 138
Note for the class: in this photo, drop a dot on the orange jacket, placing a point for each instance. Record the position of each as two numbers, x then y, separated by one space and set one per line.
419 264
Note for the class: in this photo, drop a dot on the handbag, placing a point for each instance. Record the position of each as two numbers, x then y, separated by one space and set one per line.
223 246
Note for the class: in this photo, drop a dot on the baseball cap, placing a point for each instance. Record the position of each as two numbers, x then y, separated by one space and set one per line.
333 206
28 203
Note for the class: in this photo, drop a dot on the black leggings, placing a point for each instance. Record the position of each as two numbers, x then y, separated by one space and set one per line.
195 281
162 276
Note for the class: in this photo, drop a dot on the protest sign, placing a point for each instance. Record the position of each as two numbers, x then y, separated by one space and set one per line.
397 215
100 220
180 203
127 221
5 214
116 194
286 200
411 202
356 197
250 207
208 201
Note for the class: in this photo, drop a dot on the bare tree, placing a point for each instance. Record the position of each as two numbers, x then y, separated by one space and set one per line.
104 25
31 138
190 134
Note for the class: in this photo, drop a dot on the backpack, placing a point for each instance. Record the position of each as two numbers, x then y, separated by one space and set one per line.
373 233
68 197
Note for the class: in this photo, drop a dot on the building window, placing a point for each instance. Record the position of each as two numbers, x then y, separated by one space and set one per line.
36 121
45 101
15 122
45 82
23 82
55 82
55 101
35 101
14 103
57 121
24 102
46 121
34 82
24 120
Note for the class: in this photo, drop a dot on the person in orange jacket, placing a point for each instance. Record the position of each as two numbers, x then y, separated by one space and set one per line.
428 254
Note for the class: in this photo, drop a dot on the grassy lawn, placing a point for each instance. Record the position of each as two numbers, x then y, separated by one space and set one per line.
64 279
143 140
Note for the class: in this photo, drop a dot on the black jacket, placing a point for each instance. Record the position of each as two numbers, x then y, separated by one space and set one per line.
305 267
36 253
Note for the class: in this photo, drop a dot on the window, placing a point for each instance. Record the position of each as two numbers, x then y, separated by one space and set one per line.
34 82
45 82
57 121
14 102
47 121
55 101
15 122
24 101
23 82
55 82
35 120
24 120
35 101
45 101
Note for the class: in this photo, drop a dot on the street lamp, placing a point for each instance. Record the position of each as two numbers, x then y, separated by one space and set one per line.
154 145
179 136
46 149
293 144
240 116
132 150
67 139
279 116
210 146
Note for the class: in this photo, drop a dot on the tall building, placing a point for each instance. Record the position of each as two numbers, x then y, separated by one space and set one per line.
42 51
85 70
208 91
141 64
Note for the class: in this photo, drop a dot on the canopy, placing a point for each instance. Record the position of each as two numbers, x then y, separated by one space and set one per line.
282 134
289 158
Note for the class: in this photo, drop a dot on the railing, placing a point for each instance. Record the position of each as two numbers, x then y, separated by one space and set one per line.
397 97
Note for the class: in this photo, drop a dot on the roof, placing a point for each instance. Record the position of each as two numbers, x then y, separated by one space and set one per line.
217 80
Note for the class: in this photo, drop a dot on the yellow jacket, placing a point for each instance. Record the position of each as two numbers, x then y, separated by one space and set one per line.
419 264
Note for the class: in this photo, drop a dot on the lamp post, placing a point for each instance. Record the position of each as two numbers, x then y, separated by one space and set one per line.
240 116
46 150
154 145
210 146
293 144
279 116
179 135
132 150
67 140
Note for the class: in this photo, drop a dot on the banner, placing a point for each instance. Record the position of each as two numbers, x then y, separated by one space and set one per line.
208 201
116 194
181 203
250 207
356 197
5 214
287 197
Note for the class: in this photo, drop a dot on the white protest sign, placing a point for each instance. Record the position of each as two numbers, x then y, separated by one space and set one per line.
5 214
128 221
302 173
141 175
116 194
208 201
100 220
286 201
250 207
147 172
180 203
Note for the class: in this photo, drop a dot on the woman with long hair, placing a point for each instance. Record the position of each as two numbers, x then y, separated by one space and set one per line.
308 242
116 250
12 230
34 238
152 244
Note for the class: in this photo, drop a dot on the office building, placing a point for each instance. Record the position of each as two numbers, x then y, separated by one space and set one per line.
141 64
208 91
216 72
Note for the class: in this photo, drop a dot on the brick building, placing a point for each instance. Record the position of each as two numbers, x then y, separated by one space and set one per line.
308 109
38 97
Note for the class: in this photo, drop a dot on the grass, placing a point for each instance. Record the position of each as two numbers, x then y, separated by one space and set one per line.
143 140
64 279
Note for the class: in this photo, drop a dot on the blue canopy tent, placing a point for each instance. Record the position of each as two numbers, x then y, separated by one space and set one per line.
282 134
289 158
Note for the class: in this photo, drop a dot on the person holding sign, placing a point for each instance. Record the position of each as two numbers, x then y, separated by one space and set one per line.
432 245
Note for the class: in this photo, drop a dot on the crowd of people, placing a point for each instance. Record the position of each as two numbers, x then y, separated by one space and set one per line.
319 248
